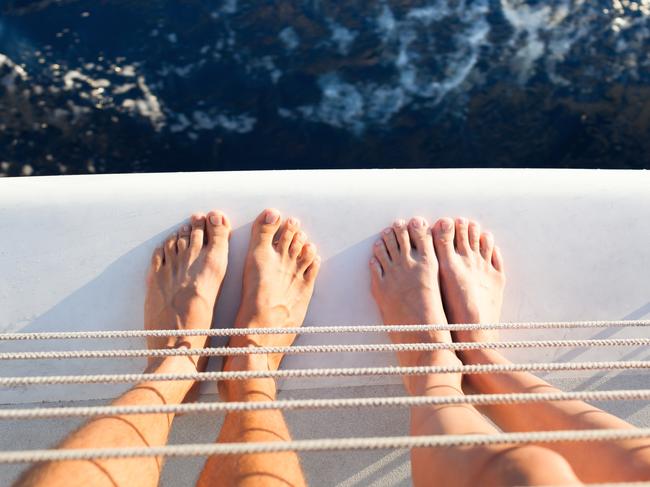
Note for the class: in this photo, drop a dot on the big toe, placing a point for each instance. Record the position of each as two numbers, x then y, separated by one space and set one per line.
265 227
443 239
217 228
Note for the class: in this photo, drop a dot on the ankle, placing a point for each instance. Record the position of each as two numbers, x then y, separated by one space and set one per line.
433 384
480 383
262 389
482 356
252 390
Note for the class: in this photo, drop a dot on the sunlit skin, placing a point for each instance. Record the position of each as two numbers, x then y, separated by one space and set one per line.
449 272
453 272
183 283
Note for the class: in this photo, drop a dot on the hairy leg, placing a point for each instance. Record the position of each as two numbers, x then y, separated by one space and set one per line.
182 287
405 285
279 275
472 278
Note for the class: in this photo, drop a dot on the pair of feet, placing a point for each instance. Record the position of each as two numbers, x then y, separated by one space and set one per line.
450 272
186 274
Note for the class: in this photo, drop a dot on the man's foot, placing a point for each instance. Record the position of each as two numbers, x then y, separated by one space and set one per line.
404 274
185 278
279 275
471 276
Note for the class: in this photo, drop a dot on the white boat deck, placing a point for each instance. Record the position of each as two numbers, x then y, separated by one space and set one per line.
75 252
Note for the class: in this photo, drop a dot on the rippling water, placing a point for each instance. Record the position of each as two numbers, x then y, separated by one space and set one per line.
131 85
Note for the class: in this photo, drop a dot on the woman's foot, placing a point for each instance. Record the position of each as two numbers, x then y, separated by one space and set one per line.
279 275
404 273
472 277
185 278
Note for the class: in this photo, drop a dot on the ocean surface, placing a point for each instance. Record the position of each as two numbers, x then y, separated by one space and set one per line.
153 85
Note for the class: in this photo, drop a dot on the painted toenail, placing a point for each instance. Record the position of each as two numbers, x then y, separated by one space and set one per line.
271 216
215 220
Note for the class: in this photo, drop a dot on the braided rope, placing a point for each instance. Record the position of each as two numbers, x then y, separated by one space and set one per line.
322 329
341 372
325 444
300 404
299 349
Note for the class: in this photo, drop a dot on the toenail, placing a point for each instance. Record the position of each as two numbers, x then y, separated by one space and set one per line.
399 223
416 223
215 220
271 216
446 225
387 231
373 261
293 221
461 221
378 243
186 228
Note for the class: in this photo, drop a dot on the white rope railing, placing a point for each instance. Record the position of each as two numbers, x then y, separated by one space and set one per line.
273 330
346 403
301 349
326 444
330 372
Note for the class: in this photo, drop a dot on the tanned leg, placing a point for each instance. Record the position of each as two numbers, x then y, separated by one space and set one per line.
472 279
183 283
281 267
405 285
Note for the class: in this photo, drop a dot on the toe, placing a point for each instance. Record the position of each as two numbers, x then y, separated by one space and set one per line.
375 269
170 248
297 243
217 227
390 241
487 246
312 271
288 230
265 227
381 254
420 235
497 259
474 231
183 242
306 257
197 234
443 239
402 235
461 236
157 259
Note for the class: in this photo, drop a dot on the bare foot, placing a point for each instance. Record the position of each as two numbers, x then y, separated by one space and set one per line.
185 278
471 276
404 273
279 275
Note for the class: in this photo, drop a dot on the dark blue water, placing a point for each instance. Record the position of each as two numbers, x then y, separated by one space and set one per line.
135 85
